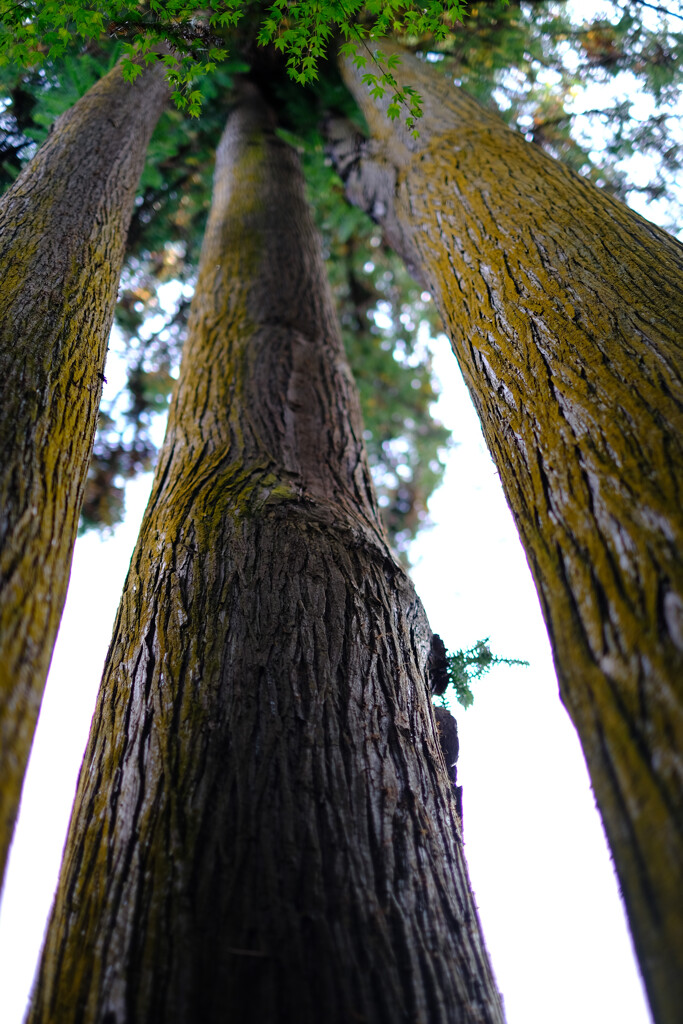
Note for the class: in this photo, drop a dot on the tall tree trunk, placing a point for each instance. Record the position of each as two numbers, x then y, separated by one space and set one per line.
264 827
63 227
564 309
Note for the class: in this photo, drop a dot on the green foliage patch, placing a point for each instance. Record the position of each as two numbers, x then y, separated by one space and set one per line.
190 39
465 666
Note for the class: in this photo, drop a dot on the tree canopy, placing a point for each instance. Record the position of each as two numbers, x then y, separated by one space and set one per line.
536 63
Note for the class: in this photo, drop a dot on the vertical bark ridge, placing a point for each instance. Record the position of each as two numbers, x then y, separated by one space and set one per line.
63 227
264 827
564 310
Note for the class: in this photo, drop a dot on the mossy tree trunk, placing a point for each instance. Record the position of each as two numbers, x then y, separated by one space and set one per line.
264 827
565 312
63 227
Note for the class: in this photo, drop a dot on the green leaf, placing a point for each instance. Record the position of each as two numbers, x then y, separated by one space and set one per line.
466 665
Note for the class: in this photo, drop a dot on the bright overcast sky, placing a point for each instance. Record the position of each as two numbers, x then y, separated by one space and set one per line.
552 918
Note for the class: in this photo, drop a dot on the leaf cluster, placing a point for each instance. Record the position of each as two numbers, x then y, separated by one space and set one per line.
34 33
467 665
190 38
537 62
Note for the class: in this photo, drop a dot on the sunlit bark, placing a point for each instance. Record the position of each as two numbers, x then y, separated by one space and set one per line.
264 828
565 312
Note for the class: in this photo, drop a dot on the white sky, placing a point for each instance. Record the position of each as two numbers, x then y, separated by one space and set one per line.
539 865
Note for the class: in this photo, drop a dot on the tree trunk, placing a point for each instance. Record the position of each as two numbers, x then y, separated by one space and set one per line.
63 228
264 827
564 310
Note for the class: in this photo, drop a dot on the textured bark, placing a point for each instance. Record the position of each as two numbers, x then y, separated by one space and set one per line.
63 228
564 310
264 827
